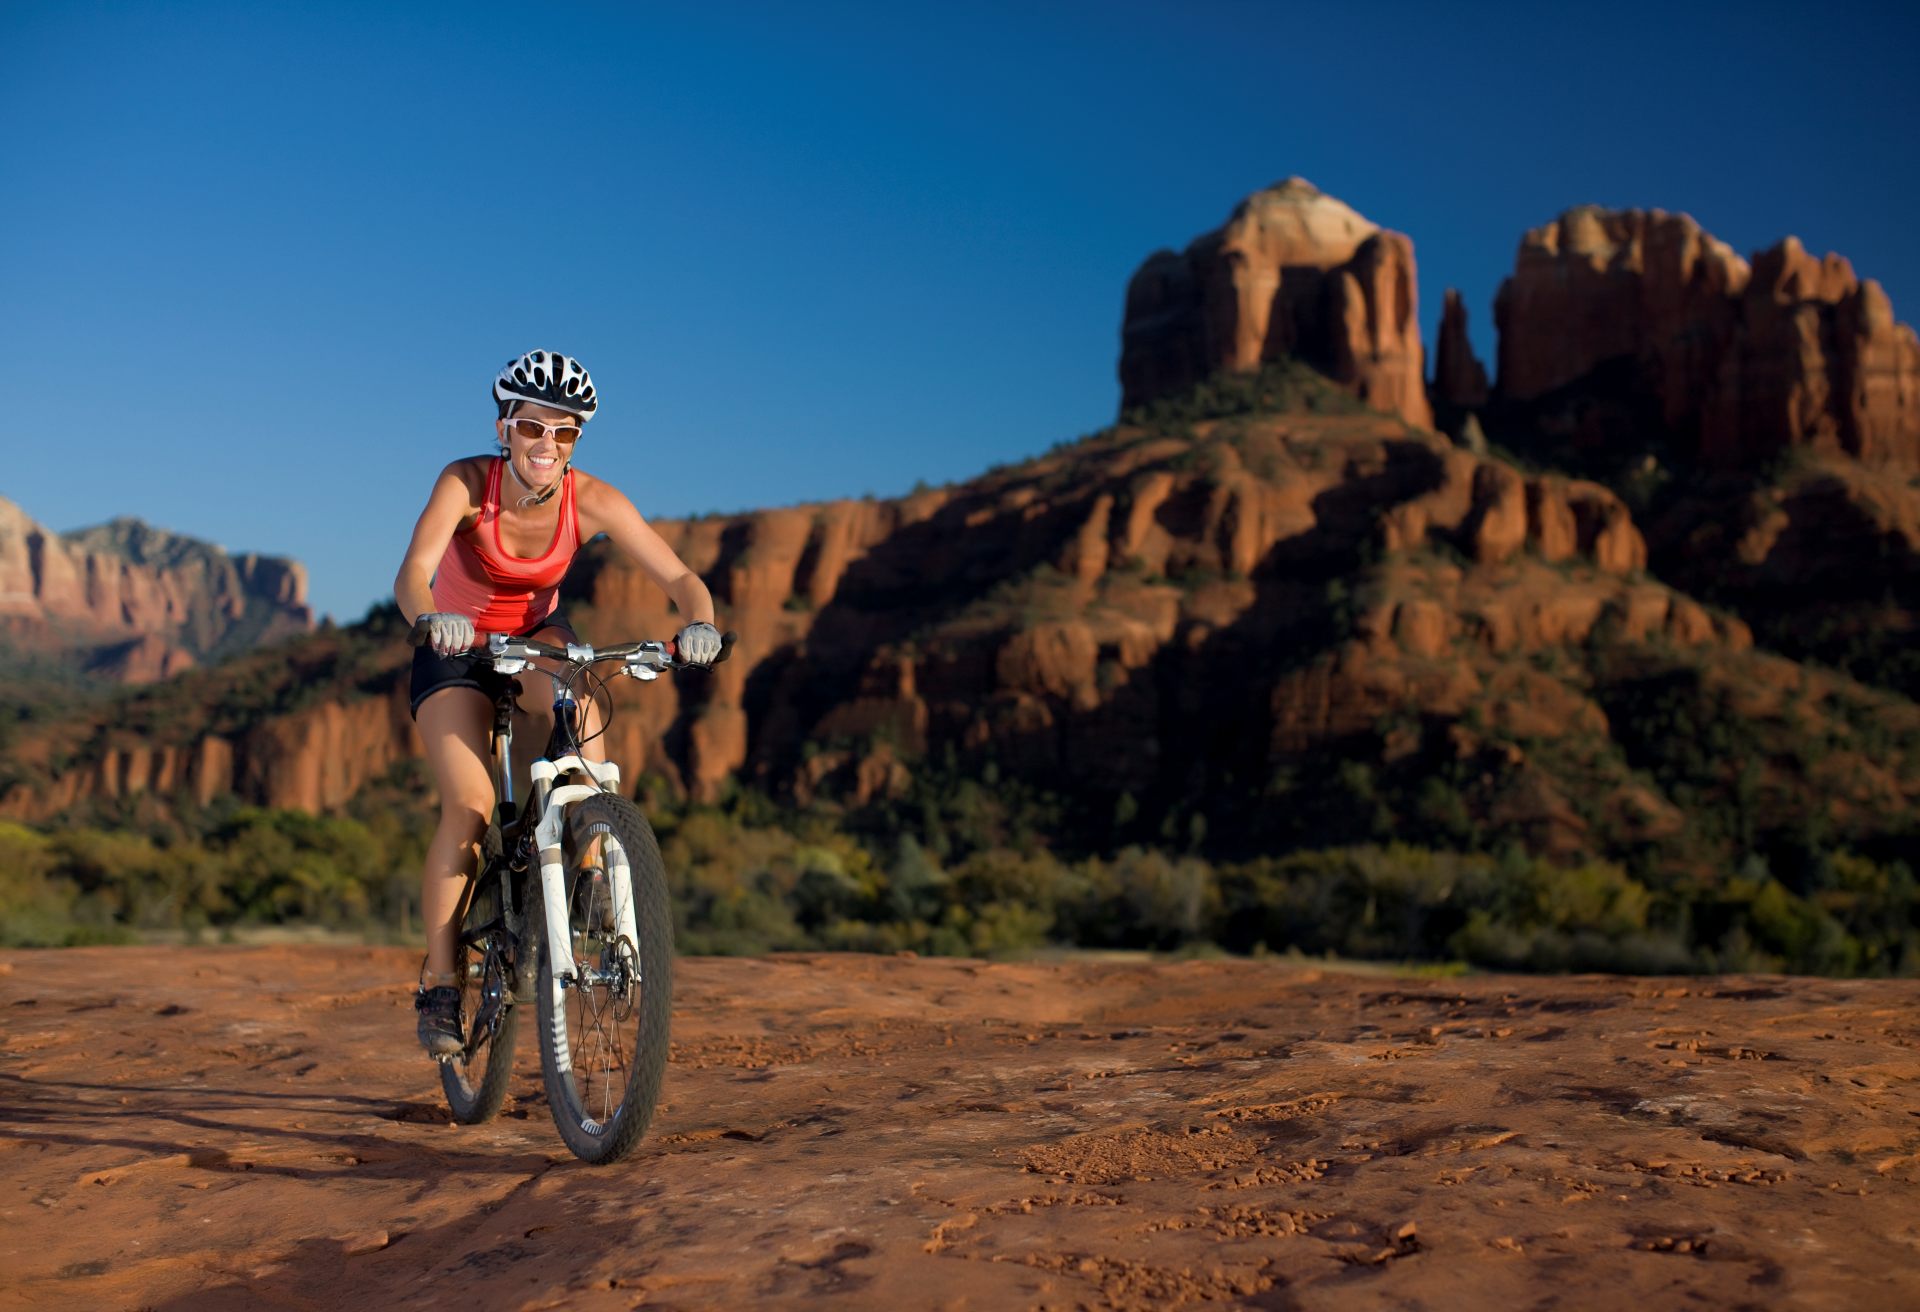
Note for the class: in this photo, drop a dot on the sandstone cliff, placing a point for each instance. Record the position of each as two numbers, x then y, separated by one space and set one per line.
1459 379
1823 559
1293 273
1621 327
1223 616
139 602
1764 415
1258 614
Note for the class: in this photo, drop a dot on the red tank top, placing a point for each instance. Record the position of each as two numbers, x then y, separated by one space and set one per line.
504 593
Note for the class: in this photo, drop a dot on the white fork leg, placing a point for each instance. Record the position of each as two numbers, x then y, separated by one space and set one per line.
553 894
620 876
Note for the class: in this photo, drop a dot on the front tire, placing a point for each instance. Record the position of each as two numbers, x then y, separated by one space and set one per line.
475 1081
603 1046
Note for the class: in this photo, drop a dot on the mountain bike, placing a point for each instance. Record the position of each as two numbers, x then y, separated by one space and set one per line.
568 910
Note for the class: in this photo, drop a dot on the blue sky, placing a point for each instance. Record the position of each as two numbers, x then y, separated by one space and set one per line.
259 263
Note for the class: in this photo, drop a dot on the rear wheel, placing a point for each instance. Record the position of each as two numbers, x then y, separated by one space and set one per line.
475 1080
603 1032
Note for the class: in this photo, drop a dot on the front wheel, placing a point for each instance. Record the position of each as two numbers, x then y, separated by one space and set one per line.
603 1031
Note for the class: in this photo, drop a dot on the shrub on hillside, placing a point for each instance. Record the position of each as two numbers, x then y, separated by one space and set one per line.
748 878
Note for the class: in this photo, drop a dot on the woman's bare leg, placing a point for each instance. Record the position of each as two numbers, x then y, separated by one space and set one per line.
453 724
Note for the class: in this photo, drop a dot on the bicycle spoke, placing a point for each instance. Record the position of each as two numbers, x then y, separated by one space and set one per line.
601 1066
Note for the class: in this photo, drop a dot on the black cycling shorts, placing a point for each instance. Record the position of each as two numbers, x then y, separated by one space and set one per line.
469 669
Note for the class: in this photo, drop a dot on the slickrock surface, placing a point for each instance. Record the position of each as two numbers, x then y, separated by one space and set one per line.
228 1128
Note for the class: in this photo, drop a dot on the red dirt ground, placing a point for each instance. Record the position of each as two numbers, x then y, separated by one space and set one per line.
253 1128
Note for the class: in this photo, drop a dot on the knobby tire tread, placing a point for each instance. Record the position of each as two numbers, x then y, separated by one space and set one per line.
652 1014
472 1103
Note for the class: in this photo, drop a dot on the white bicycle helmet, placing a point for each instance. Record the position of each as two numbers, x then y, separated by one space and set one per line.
547 378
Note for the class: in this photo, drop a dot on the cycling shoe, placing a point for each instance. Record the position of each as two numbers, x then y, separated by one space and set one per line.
439 1027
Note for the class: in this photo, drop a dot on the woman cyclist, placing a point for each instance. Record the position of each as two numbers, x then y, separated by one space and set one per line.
487 556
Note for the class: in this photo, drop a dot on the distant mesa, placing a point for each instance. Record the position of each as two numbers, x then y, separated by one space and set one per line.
1293 273
137 603
146 659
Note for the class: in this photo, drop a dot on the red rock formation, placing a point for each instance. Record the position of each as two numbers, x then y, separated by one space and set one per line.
1459 379
858 635
1494 511
1818 362
143 660
1596 285
1144 609
317 759
202 770
147 602
1129 615
1292 273
1736 361
1829 556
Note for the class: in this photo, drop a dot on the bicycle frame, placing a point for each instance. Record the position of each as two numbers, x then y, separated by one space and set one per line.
560 777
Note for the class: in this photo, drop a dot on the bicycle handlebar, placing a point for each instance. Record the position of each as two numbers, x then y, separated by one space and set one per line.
652 655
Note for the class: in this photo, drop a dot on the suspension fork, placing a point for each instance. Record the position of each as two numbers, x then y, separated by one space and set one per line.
549 799
553 801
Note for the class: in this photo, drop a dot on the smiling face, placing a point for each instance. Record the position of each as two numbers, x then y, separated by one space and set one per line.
538 456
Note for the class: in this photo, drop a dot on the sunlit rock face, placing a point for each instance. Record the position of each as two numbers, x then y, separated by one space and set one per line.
1660 324
137 603
1293 273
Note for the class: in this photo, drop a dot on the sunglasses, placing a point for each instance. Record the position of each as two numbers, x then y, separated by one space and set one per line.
532 430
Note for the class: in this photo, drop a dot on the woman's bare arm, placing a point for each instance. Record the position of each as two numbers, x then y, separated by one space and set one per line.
450 502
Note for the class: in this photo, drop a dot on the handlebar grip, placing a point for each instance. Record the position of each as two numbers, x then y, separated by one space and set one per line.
727 640
421 635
